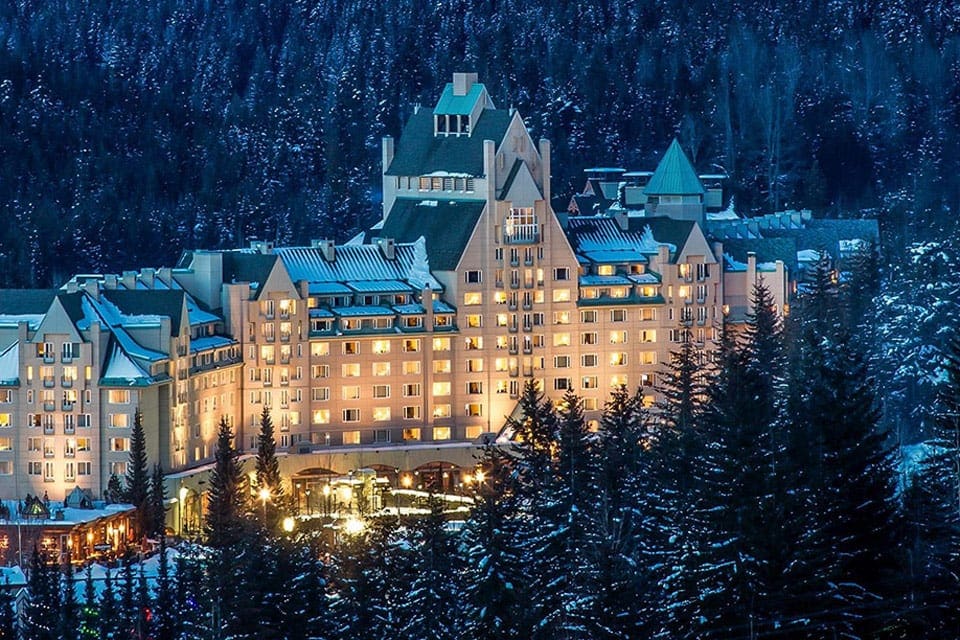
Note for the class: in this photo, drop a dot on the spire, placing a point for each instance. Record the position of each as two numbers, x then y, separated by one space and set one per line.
675 176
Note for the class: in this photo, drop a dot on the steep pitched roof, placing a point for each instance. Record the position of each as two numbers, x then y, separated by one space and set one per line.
355 267
242 266
766 250
14 302
674 175
420 153
667 230
601 239
452 104
143 302
446 225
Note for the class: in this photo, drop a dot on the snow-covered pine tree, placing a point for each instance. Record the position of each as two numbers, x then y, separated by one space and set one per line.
110 617
90 611
306 608
8 618
69 607
494 581
166 618
431 606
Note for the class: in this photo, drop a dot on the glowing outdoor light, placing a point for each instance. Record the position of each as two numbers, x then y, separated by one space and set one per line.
264 495
480 476
353 526
407 482
288 524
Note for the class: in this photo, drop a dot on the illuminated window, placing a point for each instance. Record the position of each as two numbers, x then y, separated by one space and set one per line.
561 317
441 411
118 396
648 357
5 420
500 364
350 370
606 270
473 432
351 348
648 335
474 321
474 409
441 366
321 416
381 346
6 444
441 433
472 298
473 343
647 314
589 382
618 381
381 368
318 349
441 344
381 414
411 345
561 295
618 337
500 297
475 387
501 319
350 392
618 359
118 444
441 388
351 437
474 365
561 339
411 434
501 386
119 420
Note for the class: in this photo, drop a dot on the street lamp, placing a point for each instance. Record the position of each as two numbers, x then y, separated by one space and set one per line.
264 496
406 481
309 512
353 526
183 498
326 499
288 524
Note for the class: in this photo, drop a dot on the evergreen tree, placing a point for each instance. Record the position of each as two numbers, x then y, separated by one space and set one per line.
128 600
8 617
137 490
114 492
111 615
41 619
223 525
268 470
166 611
306 608
494 580
158 503
193 605
431 607
90 611
70 607
681 387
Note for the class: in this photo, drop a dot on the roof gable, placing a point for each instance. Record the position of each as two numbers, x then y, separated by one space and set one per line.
144 302
674 175
520 187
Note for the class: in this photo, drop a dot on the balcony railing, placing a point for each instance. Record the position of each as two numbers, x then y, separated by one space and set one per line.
49 381
522 234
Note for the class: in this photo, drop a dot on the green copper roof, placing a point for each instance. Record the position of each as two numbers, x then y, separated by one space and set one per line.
674 175
450 104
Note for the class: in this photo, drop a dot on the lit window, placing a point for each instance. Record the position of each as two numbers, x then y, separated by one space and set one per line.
475 388
441 388
411 367
441 344
321 416
648 335
318 349
381 368
473 343
381 346
618 359
474 321
589 382
618 381
500 364
561 317
474 365
351 392
618 337
119 420
118 396
441 411
441 433
561 295
350 370
474 409
472 298
351 437
411 345
411 434
648 357
351 348
606 270
441 366
561 339
381 414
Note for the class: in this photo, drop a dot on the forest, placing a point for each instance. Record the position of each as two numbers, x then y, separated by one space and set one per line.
764 500
133 130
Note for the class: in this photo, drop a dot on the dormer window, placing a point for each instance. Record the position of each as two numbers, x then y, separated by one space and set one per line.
451 124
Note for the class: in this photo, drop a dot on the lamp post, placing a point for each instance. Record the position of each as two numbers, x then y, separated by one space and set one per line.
307 493
264 495
183 498
326 499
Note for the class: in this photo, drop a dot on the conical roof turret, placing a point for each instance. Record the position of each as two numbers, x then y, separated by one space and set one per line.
675 175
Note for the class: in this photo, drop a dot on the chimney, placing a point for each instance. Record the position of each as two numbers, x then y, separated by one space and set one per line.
463 82
110 281
303 287
327 249
166 275
129 280
388 248
623 221
545 168
147 275
386 152
72 286
92 287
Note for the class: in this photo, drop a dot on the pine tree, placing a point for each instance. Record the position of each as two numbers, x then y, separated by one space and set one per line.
90 611
41 620
431 606
8 618
157 504
223 525
166 611
268 470
111 616
137 490
494 581
306 609
70 608
128 598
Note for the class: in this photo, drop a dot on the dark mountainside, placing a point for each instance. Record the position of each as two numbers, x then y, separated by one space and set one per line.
132 130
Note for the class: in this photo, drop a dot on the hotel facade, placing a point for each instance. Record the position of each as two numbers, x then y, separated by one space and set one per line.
404 348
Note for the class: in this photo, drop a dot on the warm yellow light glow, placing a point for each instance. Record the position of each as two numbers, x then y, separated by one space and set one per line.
264 494
183 493
326 490
407 481
69 543
288 524
480 476
347 493
89 536
353 526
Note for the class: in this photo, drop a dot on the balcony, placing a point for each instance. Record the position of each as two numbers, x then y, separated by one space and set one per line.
49 381
66 382
512 306
284 337
514 284
66 358
521 234
68 406
513 328
49 406
48 429
284 359
49 359
527 306
69 429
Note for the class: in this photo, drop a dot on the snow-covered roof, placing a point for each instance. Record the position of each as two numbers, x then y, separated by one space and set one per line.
352 312
210 342
10 364
351 263
121 368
